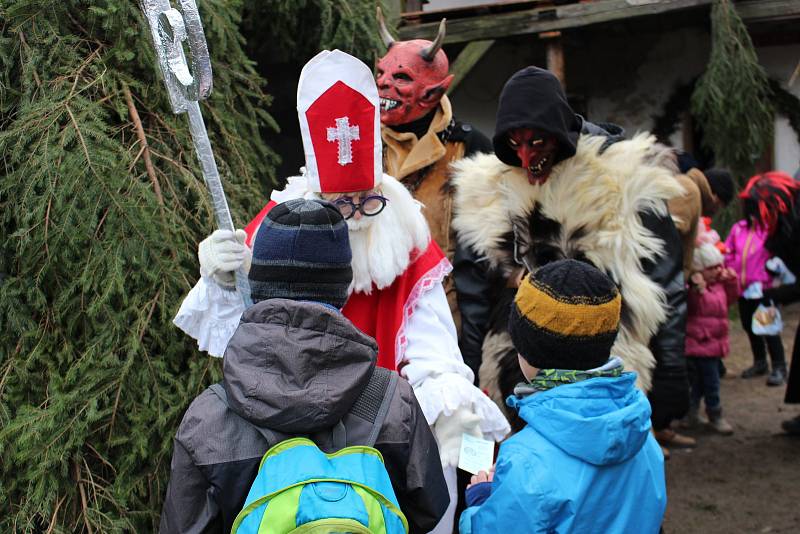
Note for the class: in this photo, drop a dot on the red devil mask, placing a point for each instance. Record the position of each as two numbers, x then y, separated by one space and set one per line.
536 152
412 77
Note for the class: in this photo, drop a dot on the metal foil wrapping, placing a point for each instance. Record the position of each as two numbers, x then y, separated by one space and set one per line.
186 86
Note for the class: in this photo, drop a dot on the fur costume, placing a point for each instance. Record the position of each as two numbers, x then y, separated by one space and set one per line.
588 209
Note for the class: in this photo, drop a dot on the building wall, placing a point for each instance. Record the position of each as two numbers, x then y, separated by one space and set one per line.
475 99
639 76
780 61
614 76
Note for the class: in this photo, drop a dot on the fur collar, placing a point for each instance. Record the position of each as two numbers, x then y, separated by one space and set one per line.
595 197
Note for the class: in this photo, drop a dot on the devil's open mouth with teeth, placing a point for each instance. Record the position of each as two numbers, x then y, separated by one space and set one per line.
539 170
388 104
536 152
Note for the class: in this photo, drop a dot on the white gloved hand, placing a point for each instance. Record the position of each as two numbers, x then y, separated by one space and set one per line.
221 254
448 430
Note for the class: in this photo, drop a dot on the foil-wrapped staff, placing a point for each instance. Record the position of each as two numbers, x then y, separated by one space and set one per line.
186 86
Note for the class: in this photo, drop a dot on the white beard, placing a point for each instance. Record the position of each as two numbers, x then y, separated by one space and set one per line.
382 245
362 224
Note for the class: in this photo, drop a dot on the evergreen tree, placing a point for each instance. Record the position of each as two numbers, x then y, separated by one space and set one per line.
102 204
282 35
732 98
298 29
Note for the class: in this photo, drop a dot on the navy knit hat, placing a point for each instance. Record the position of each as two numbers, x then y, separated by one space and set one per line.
302 252
565 316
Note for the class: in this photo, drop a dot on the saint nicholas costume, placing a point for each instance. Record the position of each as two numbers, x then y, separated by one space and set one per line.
396 295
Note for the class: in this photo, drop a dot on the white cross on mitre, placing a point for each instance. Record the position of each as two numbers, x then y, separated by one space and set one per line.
348 131
344 134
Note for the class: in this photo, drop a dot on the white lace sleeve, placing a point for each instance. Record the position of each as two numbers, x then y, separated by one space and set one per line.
433 365
210 315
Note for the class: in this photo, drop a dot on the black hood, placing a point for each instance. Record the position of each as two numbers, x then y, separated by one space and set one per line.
296 367
533 98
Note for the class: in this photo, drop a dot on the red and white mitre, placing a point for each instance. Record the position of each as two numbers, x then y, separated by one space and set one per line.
337 104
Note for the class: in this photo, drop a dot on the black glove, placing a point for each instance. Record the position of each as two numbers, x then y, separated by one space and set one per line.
669 400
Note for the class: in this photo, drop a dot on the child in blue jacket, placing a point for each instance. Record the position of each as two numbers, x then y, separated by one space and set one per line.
586 461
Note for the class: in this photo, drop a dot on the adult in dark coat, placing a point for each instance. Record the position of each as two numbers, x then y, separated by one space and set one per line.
554 190
773 200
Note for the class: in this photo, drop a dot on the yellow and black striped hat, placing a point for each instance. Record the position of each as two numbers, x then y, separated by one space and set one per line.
565 316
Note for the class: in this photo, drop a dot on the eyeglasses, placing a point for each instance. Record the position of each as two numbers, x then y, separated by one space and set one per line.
369 206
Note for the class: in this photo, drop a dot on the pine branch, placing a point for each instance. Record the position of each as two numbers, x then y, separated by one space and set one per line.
732 97
25 45
55 514
84 502
145 151
94 378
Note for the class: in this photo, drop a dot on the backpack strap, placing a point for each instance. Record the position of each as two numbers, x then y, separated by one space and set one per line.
373 403
268 435
339 436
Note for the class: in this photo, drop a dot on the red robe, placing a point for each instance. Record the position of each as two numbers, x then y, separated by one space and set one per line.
384 313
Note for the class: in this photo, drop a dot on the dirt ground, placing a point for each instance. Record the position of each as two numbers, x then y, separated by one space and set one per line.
748 482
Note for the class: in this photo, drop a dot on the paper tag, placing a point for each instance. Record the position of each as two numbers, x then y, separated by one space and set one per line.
476 454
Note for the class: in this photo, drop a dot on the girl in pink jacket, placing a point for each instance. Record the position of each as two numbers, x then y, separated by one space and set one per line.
707 331
747 256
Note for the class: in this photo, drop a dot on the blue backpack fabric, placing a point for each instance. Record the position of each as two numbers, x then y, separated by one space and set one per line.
301 489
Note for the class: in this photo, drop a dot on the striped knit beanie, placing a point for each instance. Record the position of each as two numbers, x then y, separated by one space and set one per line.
301 251
565 316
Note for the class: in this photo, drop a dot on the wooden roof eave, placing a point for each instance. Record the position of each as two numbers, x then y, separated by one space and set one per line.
554 18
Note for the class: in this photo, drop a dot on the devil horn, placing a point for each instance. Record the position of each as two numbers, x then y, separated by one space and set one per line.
388 40
430 52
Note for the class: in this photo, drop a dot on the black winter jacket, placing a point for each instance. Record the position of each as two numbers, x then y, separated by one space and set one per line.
472 305
669 393
786 245
296 368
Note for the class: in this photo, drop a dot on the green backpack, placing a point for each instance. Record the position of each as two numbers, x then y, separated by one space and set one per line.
301 489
